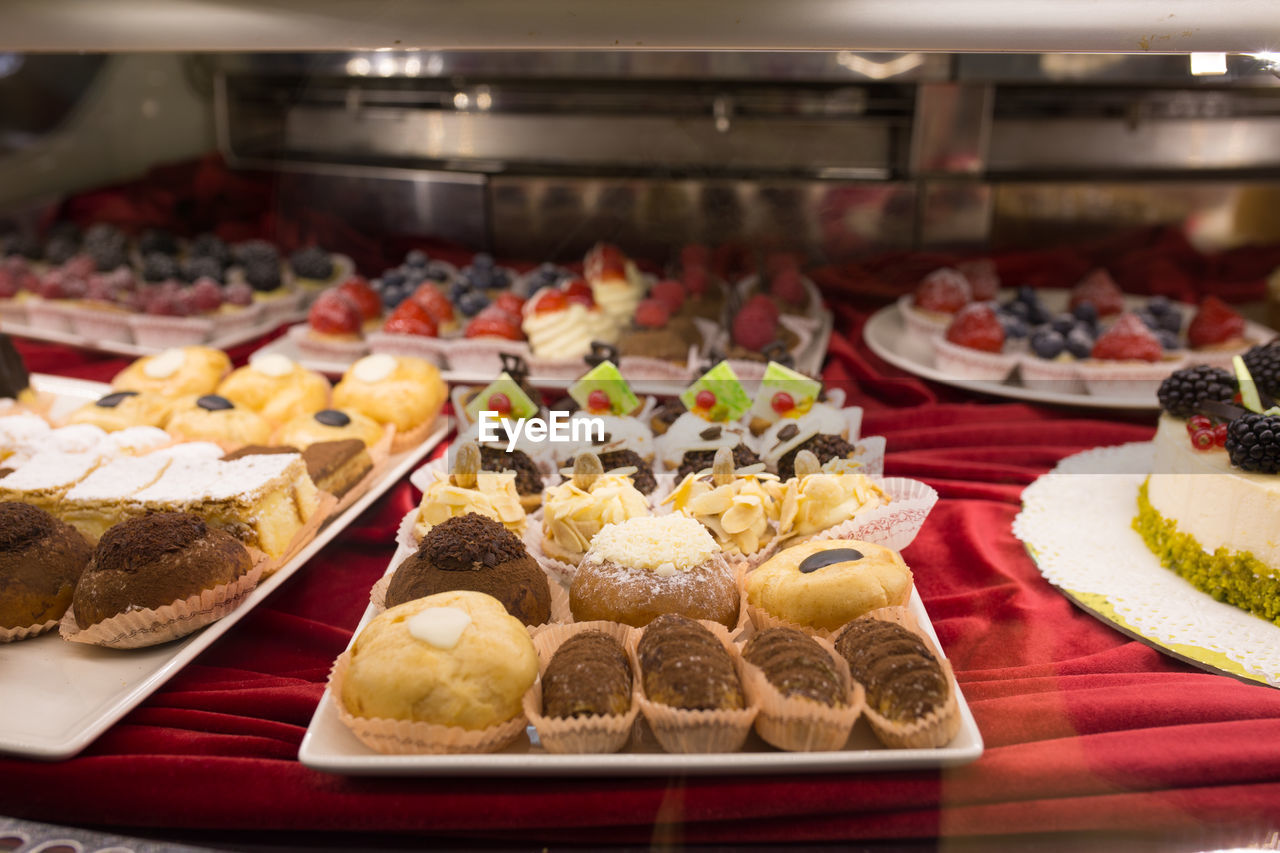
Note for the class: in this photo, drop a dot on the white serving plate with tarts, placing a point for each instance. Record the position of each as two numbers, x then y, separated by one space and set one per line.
59 696
331 747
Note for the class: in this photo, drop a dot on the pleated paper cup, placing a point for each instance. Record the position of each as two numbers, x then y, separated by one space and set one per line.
925 324
328 348
559 570
165 332
560 613
409 737
101 323
894 525
682 731
645 367
598 733
481 358
797 724
405 537
418 346
147 627
933 730
13 635
961 362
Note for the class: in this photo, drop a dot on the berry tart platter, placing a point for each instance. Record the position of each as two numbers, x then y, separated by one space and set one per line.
742 623
1182 551
1087 346
249 469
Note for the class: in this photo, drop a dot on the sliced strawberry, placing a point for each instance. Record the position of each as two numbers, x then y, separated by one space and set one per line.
1128 339
976 326
788 286
760 302
547 300
695 280
983 279
945 291
577 290
412 318
1215 323
754 328
437 304
333 313
494 324
358 290
1099 288
652 314
509 302
670 293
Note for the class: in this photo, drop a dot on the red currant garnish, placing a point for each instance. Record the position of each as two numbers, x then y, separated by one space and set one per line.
500 403
705 399
598 401
1220 435
1198 422
782 402
1202 439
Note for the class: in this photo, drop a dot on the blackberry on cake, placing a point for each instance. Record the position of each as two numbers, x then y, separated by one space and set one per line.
1253 443
1185 391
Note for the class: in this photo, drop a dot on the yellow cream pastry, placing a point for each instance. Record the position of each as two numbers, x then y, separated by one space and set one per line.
815 500
399 390
576 510
452 659
471 489
123 409
738 507
217 419
276 387
175 372
329 425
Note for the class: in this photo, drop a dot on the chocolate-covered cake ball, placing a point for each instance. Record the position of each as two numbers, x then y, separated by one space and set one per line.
148 562
471 552
683 665
41 558
795 665
903 679
589 674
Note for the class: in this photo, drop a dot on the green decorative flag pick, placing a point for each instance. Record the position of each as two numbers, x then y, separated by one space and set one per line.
603 391
505 397
784 393
717 395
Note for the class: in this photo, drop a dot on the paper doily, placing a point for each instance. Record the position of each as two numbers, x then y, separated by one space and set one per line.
1075 522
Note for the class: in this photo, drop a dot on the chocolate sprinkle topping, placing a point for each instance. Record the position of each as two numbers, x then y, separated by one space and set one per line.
825 447
469 543
114 399
214 403
333 418
698 460
903 679
22 524
642 479
822 559
528 478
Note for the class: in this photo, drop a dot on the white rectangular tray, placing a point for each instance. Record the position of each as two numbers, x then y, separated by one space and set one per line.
329 746
135 350
57 697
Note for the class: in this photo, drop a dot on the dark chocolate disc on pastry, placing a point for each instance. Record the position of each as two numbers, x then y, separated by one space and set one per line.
904 681
114 399
471 552
333 418
684 665
796 665
214 403
589 674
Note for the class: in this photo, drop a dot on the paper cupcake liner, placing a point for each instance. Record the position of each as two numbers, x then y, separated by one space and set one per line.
965 363
136 629
481 358
101 324
547 369
326 348
418 346
405 537
1127 379
323 512
407 737
796 724
599 733
922 323
871 455
48 315
894 525
1050 375
681 731
229 322
635 367
933 730
13 635
762 620
281 309
559 570
560 614
165 332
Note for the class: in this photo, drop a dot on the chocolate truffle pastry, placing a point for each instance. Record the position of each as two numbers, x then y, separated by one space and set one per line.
155 560
684 665
471 552
824 447
642 478
796 665
588 675
528 478
643 567
904 681
41 558
700 460
665 414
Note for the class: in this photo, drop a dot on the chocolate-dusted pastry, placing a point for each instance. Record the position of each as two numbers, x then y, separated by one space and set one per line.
148 562
471 552
14 378
642 479
683 665
903 679
665 414
796 665
699 460
825 447
588 675
528 478
41 558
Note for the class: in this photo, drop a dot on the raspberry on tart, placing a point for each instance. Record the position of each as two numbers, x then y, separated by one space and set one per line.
494 322
411 318
1101 290
652 314
976 326
1128 340
359 291
943 291
670 293
435 302
334 314
1215 323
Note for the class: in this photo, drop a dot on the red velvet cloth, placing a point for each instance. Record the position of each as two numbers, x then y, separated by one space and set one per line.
1084 728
